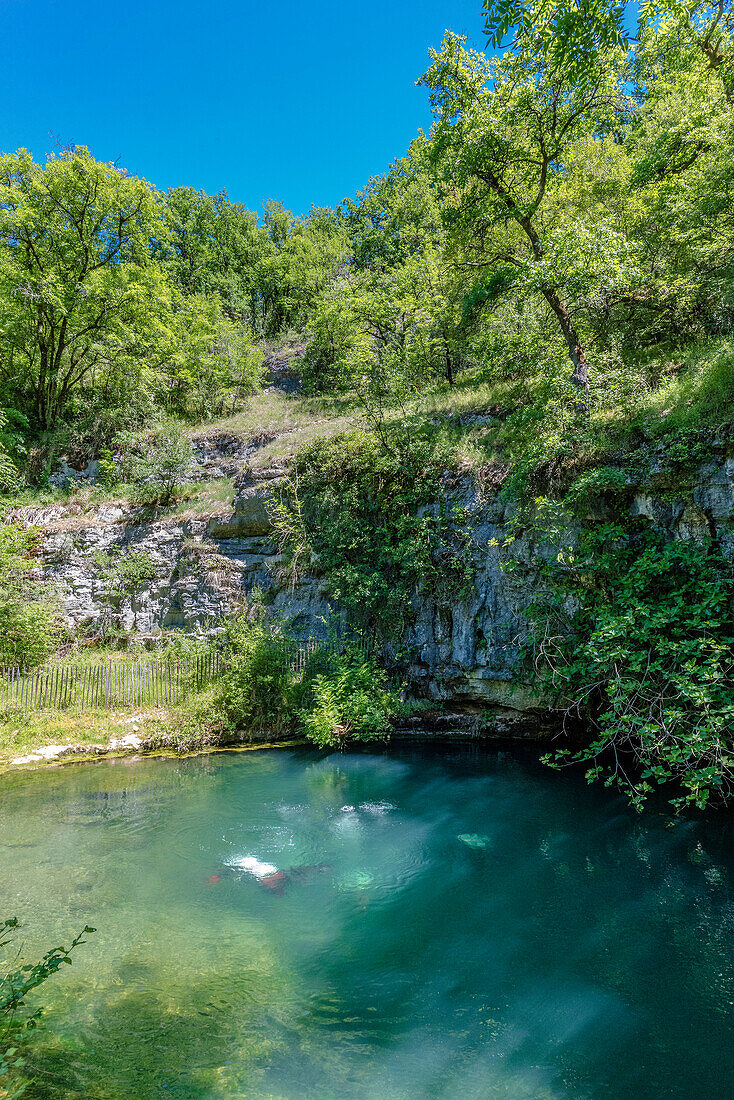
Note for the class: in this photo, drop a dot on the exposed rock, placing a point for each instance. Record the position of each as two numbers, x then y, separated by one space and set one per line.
463 653
250 516
282 369
213 455
82 473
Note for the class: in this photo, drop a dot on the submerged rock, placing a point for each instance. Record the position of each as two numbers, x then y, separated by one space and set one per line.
473 840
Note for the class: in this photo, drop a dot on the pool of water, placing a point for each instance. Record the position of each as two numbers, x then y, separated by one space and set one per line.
410 924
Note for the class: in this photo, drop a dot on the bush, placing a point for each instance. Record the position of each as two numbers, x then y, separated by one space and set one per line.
157 463
352 700
332 698
258 692
649 660
361 513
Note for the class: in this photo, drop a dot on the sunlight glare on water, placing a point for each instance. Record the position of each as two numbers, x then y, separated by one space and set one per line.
449 924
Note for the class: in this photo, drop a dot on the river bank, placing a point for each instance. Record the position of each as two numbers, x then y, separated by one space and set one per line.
45 739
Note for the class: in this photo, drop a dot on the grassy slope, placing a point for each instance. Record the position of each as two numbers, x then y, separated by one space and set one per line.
690 388
668 392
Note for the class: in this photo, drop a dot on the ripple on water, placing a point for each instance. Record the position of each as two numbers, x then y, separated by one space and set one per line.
470 928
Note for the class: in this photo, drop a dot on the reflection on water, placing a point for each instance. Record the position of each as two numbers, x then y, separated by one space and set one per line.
452 924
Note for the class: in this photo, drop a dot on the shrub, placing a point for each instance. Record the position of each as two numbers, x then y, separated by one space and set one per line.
352 700
10 449
133 571
157 463
29 626
361 514
332 698
648 659
258 691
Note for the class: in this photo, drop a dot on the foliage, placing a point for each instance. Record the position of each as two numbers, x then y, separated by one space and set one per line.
126 574
352 700
388 325
333 697
158 462
567 32
259 691
9 474
15 1018
504 127
216 364
364 523
133 570
264 272
396 215
29 628
542 285
79 293
638 634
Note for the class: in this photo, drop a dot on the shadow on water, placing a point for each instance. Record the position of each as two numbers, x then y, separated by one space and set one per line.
480 927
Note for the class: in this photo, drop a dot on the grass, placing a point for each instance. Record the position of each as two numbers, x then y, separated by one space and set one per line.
663 391
663 394
203 498
289 420
695 389
21 733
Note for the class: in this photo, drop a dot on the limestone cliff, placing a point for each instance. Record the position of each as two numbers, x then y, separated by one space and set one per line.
462 652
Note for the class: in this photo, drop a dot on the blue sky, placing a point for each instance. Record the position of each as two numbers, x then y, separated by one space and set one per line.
301 102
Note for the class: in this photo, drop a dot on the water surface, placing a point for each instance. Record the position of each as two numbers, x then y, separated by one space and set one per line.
468 925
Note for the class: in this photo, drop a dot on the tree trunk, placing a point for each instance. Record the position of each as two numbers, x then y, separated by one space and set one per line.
580 373
449 365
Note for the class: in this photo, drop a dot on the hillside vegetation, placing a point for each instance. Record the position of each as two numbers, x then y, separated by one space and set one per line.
538 294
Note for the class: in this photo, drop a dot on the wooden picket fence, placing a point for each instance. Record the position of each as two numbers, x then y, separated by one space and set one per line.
126 683
116 683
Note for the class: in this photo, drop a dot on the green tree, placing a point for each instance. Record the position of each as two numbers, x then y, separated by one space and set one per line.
212 247
504 128
9 473
157 462
397 215
572 33
568 34
300 258
79 293
214 363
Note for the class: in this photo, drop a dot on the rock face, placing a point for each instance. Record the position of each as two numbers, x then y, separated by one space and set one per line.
213 455
204 568
465 653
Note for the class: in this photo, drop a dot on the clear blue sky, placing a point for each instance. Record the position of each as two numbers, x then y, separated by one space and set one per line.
301 102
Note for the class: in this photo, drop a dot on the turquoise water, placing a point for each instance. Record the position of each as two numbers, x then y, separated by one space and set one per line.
475 926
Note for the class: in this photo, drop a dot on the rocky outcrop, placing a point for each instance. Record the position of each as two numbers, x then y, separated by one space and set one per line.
250 515
464 652
204 568
215 454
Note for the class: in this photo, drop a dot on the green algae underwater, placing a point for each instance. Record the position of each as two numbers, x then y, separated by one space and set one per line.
288 924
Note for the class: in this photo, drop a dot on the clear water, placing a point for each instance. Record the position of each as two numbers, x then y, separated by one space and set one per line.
482 928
